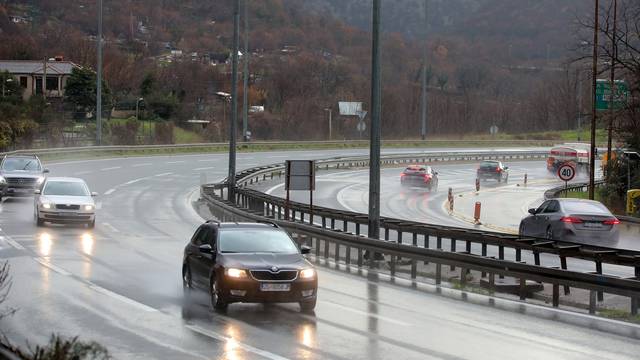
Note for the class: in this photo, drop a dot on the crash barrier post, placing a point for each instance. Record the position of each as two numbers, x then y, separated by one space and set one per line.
477 184
476 212
450 198
525 179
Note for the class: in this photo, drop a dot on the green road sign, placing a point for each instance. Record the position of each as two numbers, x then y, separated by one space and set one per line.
603 94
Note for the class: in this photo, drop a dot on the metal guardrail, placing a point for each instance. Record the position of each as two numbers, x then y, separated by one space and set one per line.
333 225
351 143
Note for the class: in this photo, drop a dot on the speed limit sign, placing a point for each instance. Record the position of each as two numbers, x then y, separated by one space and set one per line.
566 172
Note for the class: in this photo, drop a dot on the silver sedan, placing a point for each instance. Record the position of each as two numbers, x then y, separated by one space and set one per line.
64 200
575 220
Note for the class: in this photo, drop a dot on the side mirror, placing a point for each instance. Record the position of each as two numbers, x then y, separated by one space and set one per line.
45 171
435 172
506 168
94 194
37 192
305 249
206 249
532 211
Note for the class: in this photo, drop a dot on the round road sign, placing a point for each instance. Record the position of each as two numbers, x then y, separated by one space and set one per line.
566 172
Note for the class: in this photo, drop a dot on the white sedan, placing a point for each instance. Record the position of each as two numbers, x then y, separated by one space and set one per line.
65 200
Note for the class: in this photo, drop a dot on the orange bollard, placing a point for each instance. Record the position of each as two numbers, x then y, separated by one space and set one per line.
476 213
450 198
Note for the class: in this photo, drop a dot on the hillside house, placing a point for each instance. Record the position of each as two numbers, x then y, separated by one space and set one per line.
30 73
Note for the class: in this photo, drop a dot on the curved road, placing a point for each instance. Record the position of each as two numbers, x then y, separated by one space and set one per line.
119 284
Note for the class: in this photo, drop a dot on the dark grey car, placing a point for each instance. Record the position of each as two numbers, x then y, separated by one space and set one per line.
575 220
20 175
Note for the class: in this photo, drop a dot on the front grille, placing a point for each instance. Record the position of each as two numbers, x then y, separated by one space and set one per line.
21 181
67 207
282 275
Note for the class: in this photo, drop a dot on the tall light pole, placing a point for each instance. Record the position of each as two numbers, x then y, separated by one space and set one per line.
423 130
330 135
245 74
614 50
594 69
374 152
99 80
234 101
138 117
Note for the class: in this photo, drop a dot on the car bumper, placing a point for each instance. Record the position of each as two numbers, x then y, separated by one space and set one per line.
607 238
17 191
248 290
67 217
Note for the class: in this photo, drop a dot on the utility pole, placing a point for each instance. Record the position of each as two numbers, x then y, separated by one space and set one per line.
44 80
330 130
99 82
374 156
592 155
245 73
579 103
234 101
423 131
614 53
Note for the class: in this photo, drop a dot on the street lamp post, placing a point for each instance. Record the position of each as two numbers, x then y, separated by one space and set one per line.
330 135
594 116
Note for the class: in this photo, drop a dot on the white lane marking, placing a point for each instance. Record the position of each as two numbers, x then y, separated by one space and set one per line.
231 340
163 174
82 173
340 197
143 164
99 205
207 160
365 313
175 162
109 192
204 168
111 168
124 299
133 181
277 157
111 227
49 265
13 243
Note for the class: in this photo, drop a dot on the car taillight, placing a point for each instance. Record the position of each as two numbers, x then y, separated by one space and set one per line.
613 221
426 177
402 175
571 219
497 169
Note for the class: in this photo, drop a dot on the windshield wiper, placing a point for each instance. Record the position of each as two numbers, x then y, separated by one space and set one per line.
27 164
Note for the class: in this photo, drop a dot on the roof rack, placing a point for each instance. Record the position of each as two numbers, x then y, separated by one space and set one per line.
268 223
213 221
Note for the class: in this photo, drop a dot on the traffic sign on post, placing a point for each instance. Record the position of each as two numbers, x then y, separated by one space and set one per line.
605 98
566 172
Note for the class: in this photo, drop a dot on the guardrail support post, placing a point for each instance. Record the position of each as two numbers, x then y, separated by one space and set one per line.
324 222
523 289
518 255
337 253
463 276
563 266
360 257
439 242
536 257
358 229
386 233
484 254
333 223
501 256
592 302
556 295
345 225
634 306
347 255
453 249
414 269
599 271
414 239
438 273
399 237
326 249
393 266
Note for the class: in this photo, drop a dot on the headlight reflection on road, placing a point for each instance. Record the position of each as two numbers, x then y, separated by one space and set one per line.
231 346
307 335
87 244
44 244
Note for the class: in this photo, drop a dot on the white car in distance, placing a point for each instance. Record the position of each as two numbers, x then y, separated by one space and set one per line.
64 200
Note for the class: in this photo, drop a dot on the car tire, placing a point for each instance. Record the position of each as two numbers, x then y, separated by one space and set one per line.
308 305
187 284
549 233
506 179
217 302
91 224
39 222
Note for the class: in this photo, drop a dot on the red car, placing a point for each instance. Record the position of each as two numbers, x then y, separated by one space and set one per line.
419 175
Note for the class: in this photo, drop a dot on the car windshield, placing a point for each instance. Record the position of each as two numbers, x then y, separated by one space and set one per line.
65 188
584 207
12 164
255 241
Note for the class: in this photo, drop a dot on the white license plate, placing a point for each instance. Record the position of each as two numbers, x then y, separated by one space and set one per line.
21 190
593 225
275 287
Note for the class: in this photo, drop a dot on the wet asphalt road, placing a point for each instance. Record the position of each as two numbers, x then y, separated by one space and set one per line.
120 285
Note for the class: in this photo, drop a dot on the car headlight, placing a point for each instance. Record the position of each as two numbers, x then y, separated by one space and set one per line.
307 273
46 205
40 180
88 207
3 180
236 273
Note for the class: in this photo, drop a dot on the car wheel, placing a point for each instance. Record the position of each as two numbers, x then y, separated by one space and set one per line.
506 179
549 233
91 224
187 285
39 222
217 302
308 306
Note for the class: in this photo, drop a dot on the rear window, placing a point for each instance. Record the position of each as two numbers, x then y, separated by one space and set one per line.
415 169
489 164
584 207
